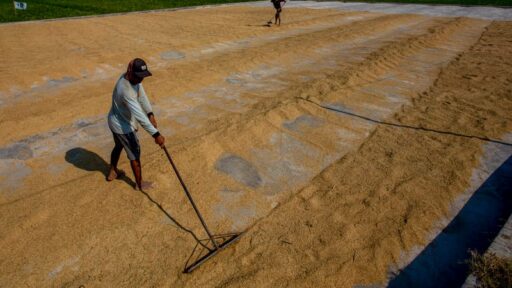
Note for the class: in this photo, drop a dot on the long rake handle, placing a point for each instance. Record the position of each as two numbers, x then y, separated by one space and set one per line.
190 197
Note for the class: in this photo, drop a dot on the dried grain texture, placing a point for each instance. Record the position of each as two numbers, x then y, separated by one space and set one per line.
326 198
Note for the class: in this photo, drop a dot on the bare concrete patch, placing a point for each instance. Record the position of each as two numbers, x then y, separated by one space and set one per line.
172 55
240 169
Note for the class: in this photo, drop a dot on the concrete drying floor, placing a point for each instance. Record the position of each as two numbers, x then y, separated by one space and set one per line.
341 142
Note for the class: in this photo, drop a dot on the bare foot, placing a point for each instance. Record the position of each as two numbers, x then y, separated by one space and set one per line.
115 174
146 185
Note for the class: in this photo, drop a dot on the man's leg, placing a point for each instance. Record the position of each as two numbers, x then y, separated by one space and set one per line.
137 172
114 159
132 147
114 156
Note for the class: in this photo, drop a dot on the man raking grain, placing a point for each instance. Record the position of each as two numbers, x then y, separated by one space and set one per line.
130 108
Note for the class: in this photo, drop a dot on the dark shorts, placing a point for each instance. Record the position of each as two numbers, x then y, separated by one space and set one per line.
277 5
130 143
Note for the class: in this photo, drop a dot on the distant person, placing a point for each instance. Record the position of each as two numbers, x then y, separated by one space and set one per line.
277 5
130 105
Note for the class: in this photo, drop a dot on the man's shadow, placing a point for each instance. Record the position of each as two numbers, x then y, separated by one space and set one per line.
90 161
260 25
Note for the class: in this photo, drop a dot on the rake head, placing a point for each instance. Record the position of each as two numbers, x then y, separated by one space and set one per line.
206 249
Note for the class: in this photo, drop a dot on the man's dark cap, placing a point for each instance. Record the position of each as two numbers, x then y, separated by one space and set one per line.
140 69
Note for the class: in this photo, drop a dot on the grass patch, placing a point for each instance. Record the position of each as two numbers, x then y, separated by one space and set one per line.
443 2
49 9
491 271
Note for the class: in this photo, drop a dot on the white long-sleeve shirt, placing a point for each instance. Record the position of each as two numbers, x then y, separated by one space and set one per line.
130 105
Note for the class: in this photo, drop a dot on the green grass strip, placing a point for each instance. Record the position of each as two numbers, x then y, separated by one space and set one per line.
50 9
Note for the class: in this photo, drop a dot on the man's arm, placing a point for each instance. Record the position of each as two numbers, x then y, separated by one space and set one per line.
137 111
146 105
152 119
135 108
